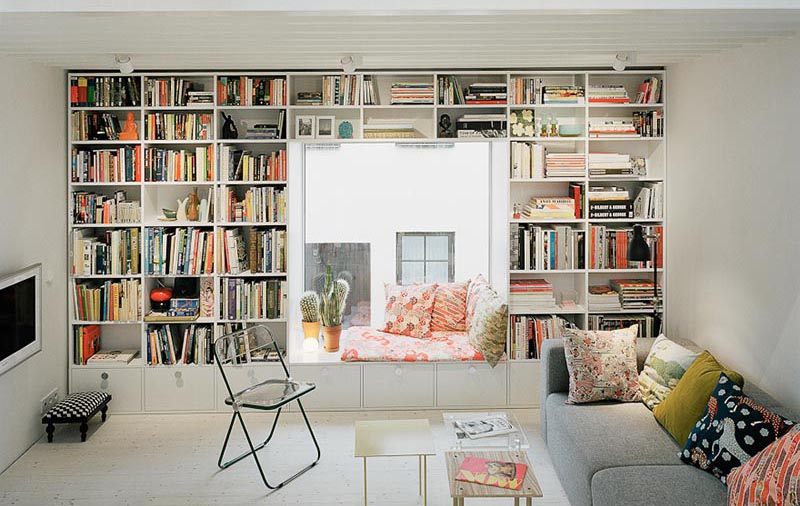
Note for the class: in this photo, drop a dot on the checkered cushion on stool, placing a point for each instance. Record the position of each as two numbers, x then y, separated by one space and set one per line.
77 406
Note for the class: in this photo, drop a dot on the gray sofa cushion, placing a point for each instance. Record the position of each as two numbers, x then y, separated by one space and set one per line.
678 485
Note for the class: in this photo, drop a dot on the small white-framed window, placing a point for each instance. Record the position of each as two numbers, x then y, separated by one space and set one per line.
425 257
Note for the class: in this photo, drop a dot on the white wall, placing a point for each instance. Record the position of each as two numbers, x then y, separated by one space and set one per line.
734 249
32 229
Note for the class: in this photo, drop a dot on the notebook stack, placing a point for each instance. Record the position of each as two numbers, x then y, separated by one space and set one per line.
412 93
635 294
565 164
603 298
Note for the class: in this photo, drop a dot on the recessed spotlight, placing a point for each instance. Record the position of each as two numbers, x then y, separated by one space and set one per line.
348 64
124 63
622 60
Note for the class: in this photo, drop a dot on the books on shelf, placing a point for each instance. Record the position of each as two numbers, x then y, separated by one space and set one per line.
528 332
90 91
565 165
340 89
636 294
649 91
493 473
531 295
603 298
525 90
369 95
169 165
95 126
649 123
538 208
450 92
251 91
542 248
247 300
376 129
616 164
309 98
404 93
169 126
175 92
527 160
487 426
481 125
108 301
646 323
178 251
93 208
649 203
608 94
242 165
260 204
115 253
267 251
486 93
86 339
612 128
608 247
115 165
562 95
607 202
266 129
168 345
105 357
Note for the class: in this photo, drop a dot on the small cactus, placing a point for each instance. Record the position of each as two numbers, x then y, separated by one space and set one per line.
309 306
333 299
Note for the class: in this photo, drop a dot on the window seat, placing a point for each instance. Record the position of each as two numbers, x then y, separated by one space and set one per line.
366 344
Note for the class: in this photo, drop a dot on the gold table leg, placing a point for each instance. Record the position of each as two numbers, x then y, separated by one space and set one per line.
365 481
425 480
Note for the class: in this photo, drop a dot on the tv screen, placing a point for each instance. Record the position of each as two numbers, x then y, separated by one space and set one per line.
19 317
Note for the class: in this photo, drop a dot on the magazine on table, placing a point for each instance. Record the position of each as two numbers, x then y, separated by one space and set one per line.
486 426
494 473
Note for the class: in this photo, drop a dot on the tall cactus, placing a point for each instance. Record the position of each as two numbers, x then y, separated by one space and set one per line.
332 301
309 306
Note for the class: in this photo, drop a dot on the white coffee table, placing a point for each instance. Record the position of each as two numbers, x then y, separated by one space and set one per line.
396 438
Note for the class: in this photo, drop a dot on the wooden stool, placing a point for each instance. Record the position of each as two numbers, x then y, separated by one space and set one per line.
77 407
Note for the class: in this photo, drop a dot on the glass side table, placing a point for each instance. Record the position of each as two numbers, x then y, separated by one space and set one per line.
458 440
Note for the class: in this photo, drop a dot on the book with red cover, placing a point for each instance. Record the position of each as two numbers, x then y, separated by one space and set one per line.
493 473
90 342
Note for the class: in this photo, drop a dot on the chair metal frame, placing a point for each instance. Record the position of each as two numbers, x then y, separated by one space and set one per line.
237 405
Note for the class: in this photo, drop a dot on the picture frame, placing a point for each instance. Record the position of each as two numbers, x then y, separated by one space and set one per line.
305 127
326 127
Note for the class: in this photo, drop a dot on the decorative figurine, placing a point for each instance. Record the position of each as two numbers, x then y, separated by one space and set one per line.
181 215
229 130
445 124
544 127
129 131
516 214
553 126
345 130
193 206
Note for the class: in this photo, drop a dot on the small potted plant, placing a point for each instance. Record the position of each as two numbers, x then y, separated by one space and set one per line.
331 306
309 309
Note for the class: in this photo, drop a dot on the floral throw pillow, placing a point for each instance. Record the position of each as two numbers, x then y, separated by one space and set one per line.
602 365
772 477
733 429
450 307
408 309
487 333
664 367
475 287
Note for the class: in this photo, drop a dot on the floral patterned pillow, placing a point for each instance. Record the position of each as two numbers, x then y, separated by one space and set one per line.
602 365
475 287
408 309
487 331
771 477
450 307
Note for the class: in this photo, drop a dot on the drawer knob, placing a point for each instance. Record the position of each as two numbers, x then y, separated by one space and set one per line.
472 370
398 371
104 375
324 371
178 374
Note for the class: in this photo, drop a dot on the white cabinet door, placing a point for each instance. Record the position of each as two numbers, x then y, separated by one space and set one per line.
470 385
189 388
524 384
244 376
338 386
398 385
124 385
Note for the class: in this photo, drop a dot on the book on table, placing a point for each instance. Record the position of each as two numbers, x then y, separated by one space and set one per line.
494 473
488 426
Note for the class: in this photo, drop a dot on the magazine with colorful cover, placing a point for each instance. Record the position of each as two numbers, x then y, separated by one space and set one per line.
493 473
485 427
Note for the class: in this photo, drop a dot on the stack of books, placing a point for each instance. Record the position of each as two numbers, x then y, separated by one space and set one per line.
636 294
381 130
116 253
528 332
340 90
527 160
565 165
608 94
525 90
167 347
649 92
538 248
531 295
558 208
603 298
649 204
562 95
646 323
486 93
481 125
200 98
411 93
309 98
607 202
616 164
649 123
612 128
450 92
608 247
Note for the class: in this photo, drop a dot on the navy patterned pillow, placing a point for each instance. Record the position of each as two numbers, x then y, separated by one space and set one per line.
733 429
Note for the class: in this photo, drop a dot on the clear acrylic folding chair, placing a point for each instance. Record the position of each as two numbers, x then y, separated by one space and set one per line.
254 344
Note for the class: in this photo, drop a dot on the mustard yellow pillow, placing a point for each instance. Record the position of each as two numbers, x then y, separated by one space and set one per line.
684 406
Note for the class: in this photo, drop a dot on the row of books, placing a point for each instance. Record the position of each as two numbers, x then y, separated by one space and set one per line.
546 248
647 325
528 295
562 95
92 208
265 251
260 204
613 201
612 128
193 164
616 165
250 91
608 247
253 300
486 93
266 129
88 350
95 126
608 94
411 93
120 91
636 294
168 346
527 160
565 165
368 92
178 251
525 90
340 89
649 91
114 165
175 92
649 204
309 98
450 93
116 252
242 165
169 126
649 123
528 332
109 301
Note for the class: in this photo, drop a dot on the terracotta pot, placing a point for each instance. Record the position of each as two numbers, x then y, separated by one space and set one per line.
311 329
332 335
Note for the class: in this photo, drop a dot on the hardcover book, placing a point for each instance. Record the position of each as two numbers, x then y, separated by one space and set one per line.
493 473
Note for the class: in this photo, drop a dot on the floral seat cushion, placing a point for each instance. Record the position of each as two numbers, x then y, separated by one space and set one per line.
366 344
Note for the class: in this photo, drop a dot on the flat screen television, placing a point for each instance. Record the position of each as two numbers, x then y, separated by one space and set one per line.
20 316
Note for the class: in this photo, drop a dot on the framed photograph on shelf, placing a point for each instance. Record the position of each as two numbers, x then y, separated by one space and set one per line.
325 127
304 127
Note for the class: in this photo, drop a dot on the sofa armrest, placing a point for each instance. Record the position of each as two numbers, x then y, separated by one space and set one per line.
554 376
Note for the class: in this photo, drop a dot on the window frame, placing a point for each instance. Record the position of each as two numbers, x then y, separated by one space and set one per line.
451 266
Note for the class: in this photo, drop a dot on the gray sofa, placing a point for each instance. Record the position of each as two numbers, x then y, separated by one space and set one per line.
616 454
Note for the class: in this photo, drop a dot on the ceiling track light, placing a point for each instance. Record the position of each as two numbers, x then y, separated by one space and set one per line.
124 63
622 60
348 64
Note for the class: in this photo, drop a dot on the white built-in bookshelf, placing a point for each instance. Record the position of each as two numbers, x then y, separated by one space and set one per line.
139 386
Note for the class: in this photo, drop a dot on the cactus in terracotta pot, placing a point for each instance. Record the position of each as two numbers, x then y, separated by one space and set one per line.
309 309
331 305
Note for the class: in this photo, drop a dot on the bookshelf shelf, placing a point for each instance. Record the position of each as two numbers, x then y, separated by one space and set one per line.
106 225
101 322
254 183
547 106
254 275
552 271
252 141
625 139
548 180
157 142
545 221
623 271
252 224
624 106
106 276
624 220
179 183
549 139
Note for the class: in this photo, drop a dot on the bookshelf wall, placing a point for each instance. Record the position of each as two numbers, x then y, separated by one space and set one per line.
374 120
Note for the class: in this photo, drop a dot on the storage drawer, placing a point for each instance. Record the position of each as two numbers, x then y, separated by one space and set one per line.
524 384
338 386
241 377
188 388
470 385
398 385
124 385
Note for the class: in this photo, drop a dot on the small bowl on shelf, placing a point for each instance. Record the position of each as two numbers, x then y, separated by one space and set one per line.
170 215
570 130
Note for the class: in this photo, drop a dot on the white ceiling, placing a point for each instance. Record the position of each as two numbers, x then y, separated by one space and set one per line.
421 38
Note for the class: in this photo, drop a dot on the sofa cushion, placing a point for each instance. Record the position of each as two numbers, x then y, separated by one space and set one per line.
665 365
408 309
602 365
450 307
685 405
656 485
476 285
487 332
733 429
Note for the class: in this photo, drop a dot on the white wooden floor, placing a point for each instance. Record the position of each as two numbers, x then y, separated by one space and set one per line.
171 460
